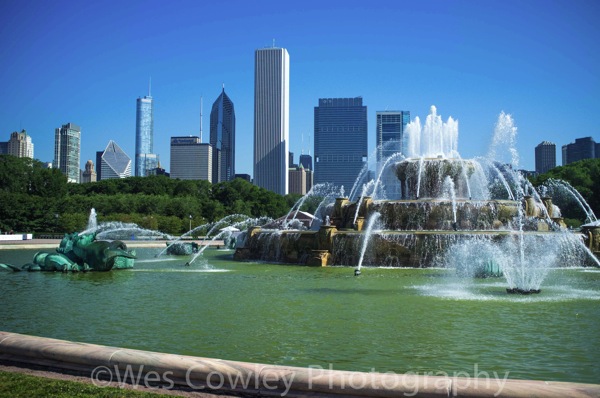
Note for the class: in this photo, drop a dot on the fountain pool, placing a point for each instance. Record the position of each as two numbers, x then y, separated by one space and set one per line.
389 319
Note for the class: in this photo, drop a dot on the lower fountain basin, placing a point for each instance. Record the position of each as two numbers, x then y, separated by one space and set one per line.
417 249
516 290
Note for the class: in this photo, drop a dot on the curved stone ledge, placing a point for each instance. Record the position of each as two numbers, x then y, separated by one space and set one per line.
208 374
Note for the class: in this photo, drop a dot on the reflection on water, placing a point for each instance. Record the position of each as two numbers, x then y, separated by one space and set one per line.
396 320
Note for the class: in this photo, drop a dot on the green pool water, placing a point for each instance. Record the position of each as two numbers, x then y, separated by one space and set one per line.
386 320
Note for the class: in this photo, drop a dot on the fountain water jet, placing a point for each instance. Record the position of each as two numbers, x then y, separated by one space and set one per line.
366 237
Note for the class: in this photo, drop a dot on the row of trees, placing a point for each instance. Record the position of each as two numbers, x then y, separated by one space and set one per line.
584 176
36 199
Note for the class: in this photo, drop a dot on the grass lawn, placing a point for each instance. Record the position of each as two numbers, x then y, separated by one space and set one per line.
17 385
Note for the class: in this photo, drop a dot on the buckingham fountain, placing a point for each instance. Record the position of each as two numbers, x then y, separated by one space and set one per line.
424 210
431 208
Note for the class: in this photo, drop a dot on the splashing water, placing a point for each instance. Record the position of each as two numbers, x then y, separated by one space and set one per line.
367 237
503 146
449 193
560 186
367 188
92 220
434 139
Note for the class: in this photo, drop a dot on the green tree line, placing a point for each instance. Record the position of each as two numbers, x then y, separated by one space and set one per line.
584 176
37 199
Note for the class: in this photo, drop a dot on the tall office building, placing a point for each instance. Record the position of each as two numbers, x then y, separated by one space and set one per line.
390 133
309 179
20 145
340 141
298 180
113 162
271 119
145 158
390 140
67 151
582 148
306 162
222 138
191 159
545 157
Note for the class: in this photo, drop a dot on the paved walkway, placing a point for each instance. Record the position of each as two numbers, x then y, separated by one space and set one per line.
53 243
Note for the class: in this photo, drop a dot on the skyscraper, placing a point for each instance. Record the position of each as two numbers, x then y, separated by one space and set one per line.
298 181
222 138
306 161
545 157
389 137
113 162
20 145
582 148
390 140
191 159
340 141
67 150
145 159
89 174
271 119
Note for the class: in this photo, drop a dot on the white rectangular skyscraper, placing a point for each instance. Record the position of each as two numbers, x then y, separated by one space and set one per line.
271 119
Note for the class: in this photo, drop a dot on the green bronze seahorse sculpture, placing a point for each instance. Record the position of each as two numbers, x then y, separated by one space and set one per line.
80 253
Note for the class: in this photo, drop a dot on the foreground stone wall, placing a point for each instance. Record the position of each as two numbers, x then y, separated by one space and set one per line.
252 379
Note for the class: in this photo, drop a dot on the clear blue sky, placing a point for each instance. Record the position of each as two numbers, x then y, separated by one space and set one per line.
87 61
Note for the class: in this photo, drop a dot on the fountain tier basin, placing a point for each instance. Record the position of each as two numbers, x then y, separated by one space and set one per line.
424 177
445 215
419 249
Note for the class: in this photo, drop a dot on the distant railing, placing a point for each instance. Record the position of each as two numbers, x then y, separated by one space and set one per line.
48 236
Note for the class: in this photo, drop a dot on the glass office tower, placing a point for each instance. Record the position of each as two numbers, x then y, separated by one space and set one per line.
390 133
390 140
67 150
340 141
145 159
222 138
113 162
582 148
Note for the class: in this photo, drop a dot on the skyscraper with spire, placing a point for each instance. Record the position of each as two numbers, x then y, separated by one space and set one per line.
145 158
222 138
271 118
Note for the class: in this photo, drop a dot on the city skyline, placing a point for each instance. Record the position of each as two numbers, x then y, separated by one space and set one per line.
472 60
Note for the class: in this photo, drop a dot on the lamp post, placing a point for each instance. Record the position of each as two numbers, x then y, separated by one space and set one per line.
190 222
